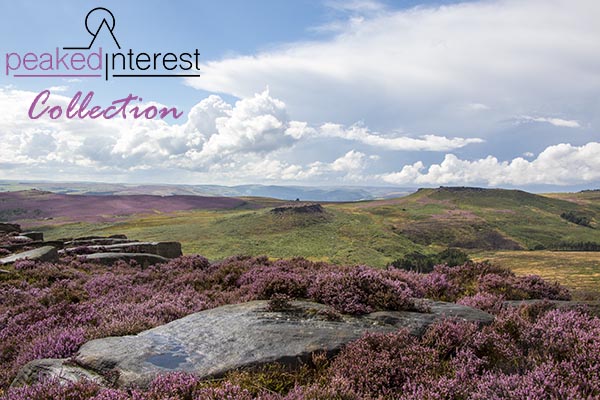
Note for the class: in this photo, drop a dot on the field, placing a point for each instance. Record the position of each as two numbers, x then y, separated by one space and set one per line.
580 271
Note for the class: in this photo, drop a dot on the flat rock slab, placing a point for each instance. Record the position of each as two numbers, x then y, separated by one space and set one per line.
110 258
213 342
46 253
163 249
34 235
97 242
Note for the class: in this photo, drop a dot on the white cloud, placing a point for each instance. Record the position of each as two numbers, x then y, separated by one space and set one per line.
251 139
426 142
561 164
59 89
476 107
411 68
563 123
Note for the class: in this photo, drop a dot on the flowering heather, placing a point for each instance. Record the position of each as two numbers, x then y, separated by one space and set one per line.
49 310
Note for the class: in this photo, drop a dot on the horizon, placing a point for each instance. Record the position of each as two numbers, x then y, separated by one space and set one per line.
496 94
410 189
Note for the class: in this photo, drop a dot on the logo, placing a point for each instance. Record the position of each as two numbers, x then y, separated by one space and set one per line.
92 62
104 23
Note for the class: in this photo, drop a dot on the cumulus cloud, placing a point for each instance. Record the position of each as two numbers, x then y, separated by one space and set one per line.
561 164
413 68
251 139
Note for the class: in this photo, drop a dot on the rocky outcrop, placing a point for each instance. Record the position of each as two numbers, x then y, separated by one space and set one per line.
163 249
96 242
300 208
143 259
213 342
20 239
9 228
46 253
33 235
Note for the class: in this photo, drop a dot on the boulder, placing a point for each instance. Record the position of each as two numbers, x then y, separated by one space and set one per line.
36 236
143 259
213 342
163 249
9 228
46 253
62 370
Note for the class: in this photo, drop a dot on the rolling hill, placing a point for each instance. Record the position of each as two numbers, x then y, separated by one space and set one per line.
368 232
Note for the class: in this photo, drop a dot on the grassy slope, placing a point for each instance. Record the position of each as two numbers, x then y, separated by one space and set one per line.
378 232
579 271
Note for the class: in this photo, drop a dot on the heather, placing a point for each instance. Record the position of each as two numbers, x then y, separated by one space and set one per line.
49 310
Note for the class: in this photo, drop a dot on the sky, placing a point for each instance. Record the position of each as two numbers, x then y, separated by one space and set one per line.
493 93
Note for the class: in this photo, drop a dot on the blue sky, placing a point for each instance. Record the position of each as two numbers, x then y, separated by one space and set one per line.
410 93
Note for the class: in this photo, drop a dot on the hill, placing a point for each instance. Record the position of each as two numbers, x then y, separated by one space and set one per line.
39 205
305 193
369 232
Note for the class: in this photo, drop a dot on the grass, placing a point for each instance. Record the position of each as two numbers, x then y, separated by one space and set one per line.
580 271
338 236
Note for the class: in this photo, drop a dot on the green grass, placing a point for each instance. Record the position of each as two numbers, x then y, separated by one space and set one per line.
339 236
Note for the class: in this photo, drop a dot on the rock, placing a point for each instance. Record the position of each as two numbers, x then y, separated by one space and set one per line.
46 253
36 236
21 239
213 342
417 322
62 370
101 237
143 259
300 208
9 228
163 249
96 242
19 246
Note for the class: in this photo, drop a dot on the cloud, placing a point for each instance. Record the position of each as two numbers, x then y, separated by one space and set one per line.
360 6
253 139
411 69
563 123
425 142
561 164
58 88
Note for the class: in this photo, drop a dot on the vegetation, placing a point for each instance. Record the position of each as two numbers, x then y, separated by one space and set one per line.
418 262
49 310
577 246
580 271
577 218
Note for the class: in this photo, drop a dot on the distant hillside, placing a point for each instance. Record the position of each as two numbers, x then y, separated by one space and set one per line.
39 205
487 218
305 193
